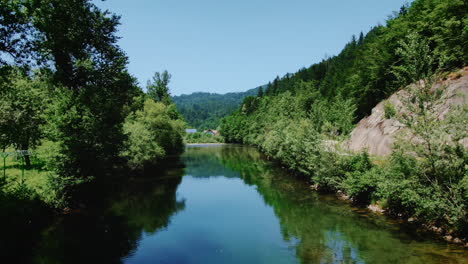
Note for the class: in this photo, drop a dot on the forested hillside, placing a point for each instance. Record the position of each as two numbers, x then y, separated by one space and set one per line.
363 70
205 110
302 117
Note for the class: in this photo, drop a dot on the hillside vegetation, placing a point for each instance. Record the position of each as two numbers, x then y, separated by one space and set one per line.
205 110
301 117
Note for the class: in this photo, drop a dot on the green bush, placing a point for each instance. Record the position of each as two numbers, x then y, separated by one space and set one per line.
389 110
152 135
361 186
201 137
329 172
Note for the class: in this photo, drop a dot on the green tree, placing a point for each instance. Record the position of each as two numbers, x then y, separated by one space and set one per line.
260 92
22 110
94 87
15 26
152 135
158 89
92 91
435 143
416 60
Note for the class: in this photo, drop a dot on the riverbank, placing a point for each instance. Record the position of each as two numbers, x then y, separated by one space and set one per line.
246 193
378 207
423 179
203 137
257 169
206 144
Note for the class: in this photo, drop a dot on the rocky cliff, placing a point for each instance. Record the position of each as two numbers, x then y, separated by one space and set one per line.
376 133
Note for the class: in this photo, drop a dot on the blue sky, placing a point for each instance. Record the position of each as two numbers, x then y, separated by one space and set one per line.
228 46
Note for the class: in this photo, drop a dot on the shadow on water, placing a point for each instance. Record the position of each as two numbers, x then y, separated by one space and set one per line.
22 217
105 231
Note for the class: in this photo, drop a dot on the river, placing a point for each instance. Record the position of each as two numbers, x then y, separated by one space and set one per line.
227 204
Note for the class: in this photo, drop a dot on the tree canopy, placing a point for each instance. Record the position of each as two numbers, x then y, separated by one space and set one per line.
64 81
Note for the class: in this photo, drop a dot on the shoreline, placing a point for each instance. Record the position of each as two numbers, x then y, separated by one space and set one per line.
437 232
201 144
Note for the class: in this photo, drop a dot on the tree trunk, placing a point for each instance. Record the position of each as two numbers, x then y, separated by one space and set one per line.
27 160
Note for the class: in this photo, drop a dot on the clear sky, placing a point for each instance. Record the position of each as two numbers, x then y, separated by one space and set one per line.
234 45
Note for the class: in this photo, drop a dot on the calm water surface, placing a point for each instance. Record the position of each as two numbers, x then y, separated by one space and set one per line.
226 204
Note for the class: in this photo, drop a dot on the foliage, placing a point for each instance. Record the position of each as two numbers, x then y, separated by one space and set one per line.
205 110
202 137
266 122
78 97
389 109
436 144
417 59
93 87
35 180
425 178
364 71
301 117
152 135
14 25
158 90
22 109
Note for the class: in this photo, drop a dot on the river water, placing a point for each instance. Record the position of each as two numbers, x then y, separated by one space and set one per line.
227 204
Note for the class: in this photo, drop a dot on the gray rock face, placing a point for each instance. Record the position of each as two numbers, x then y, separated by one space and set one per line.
377 134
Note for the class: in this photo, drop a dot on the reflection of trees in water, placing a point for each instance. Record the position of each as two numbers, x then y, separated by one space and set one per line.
327 230
110 233
323 230
148 206
204 162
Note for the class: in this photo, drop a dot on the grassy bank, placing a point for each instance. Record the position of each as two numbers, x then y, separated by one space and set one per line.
34 178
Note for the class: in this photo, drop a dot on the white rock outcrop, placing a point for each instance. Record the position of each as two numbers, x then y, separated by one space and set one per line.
377 134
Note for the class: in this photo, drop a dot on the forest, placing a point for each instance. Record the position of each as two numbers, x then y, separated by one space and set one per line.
205 110
70 105
301 119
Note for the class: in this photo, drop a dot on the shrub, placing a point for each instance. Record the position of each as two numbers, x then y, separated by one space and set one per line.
152 135
361 186
389 110
330 171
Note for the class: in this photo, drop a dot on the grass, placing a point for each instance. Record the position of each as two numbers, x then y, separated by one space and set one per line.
35 178
389 110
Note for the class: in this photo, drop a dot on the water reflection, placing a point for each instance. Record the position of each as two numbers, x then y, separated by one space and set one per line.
111 232
327 230
227 204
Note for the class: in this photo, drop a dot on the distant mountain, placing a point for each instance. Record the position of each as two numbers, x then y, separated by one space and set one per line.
205 110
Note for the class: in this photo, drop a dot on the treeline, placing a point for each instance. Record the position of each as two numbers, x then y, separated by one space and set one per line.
362 70
66 92
203 137
205 110
302 117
